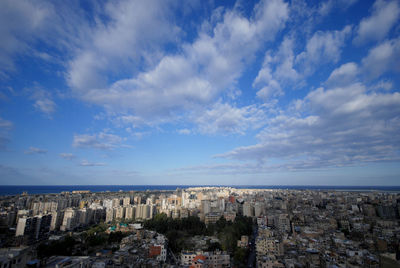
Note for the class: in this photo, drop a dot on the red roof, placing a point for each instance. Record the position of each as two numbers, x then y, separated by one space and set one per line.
155 251
202 258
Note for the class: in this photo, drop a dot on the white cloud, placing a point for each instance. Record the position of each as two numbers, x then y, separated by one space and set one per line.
67 156
383 58
102 140
346 74
199 74
86 163
327 6
383 84
223 118
43 99
19 22
133 32
322 47
277 72
273 89
46 106
35 150
340 126
283 70
126 39
384 16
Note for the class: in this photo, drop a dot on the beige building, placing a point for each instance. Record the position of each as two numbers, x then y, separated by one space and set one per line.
268 246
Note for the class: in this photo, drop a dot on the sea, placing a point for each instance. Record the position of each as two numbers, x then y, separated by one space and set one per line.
47 189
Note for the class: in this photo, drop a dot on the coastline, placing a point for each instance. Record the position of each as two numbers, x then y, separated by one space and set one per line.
7 190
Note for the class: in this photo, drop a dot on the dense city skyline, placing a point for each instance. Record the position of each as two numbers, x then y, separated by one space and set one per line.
200 92
220 226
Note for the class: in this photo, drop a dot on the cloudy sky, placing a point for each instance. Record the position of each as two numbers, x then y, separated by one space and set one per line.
200 92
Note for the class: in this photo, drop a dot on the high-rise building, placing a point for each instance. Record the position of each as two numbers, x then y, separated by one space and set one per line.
126 201
248 210
107 203
56 220
34 228
69 220
138 200
258 209
130 212
144 211
110 214
119 212
116 202
205 206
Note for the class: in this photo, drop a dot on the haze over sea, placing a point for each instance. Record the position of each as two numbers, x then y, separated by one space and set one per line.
47 189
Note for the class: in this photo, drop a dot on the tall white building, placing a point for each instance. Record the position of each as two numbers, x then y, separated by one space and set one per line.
56 220
69 220
119 212
130 212
126 201
107 203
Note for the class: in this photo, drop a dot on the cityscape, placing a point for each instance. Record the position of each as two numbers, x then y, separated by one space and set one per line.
200 133
201 227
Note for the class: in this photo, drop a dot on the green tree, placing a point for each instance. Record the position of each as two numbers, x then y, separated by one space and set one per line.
240 257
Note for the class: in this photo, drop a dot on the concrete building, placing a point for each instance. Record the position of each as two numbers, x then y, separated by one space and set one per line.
13 257
119 212
34 229
126 201
56 220
212 217
69 221
130 212
110 214
248 209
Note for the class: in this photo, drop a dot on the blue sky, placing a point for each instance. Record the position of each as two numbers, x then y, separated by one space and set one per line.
200 92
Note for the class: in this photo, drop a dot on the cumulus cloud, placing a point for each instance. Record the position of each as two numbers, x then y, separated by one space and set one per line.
67 156
278 69
204 69
102 141
85 163
383 84
345 74
45 105
340 126
382 58
323 47
384 16
272 89
223 118
123 38
117 44
282 69
35 150
43 99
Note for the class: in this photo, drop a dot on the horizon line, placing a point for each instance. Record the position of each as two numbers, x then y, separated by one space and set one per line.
204 185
